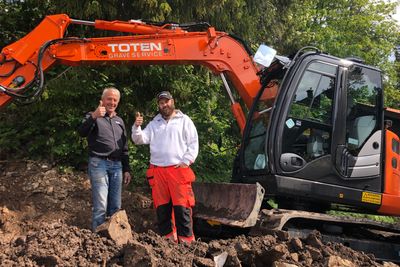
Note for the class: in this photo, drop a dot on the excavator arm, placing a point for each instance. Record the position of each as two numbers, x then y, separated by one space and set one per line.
23 63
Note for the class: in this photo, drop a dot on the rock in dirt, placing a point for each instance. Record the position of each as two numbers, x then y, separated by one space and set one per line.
220 259
137 254
116 228
336 261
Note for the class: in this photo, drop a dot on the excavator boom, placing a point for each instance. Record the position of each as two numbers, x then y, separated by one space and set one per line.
23 62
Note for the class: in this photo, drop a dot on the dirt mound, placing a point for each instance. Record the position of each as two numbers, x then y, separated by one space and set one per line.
45 221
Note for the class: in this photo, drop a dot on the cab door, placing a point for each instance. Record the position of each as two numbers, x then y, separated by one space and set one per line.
358 156
328 134
306 124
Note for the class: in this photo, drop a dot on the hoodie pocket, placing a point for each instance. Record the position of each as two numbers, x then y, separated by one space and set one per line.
150 176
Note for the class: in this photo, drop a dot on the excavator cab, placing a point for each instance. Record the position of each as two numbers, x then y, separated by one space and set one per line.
323 135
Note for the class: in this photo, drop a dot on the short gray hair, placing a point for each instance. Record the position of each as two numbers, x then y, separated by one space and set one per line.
105 91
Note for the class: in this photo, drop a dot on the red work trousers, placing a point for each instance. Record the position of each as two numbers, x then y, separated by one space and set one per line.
173 199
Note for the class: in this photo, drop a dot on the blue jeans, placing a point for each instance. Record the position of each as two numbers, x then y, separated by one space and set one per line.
106 181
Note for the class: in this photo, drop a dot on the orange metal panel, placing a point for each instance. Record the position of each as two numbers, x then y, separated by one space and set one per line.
391 196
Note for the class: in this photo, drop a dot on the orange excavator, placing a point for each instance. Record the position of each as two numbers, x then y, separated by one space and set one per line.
317 133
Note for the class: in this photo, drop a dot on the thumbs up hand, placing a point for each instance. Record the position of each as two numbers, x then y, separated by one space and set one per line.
100 111
139 119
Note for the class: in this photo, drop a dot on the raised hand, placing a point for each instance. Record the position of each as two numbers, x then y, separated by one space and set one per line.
100 111
138 119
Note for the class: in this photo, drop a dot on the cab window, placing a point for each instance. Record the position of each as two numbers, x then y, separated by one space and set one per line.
308 125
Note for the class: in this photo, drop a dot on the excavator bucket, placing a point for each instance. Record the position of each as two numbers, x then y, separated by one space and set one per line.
228 203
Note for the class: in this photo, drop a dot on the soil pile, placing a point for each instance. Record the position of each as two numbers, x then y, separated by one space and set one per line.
45 221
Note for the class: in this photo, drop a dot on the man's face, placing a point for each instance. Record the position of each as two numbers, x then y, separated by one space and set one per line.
166 107
110 101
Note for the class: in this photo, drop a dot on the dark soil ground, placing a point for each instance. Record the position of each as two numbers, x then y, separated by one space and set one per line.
45 221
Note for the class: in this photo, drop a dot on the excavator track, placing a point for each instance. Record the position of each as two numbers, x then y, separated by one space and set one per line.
372 237
224 210
276 219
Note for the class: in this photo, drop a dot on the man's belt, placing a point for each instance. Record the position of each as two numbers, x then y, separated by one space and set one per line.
156 166
109 158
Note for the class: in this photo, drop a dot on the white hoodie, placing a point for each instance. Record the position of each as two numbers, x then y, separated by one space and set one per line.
171 142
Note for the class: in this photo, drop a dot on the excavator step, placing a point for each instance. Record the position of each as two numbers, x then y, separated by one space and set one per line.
229 204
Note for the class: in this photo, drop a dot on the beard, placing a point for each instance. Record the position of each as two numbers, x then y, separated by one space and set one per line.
167 111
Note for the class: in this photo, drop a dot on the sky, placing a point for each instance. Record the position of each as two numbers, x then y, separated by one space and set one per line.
396 16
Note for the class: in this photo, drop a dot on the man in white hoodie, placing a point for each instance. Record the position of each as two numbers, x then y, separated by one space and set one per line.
174 147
